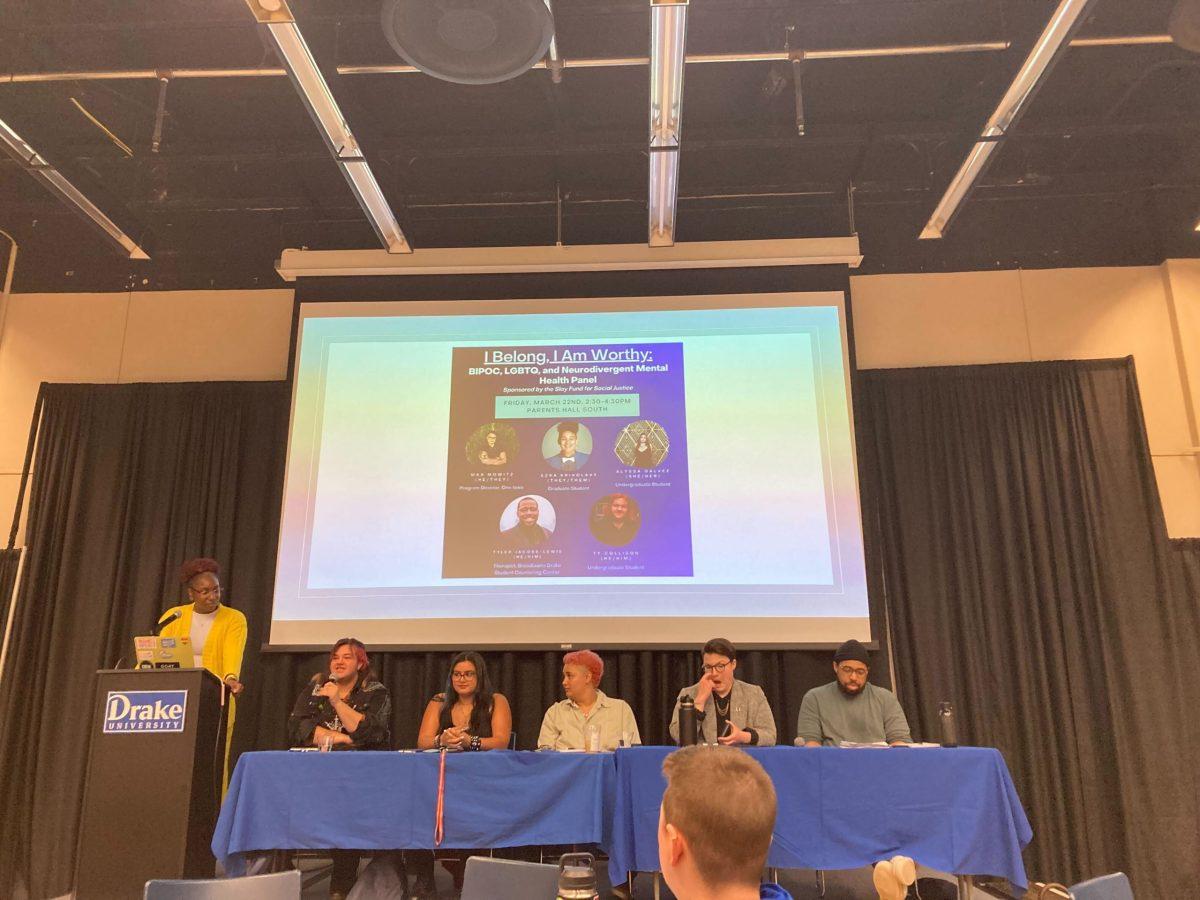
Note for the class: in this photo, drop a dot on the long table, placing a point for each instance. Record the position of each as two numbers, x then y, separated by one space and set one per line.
950 809
954 810
388 800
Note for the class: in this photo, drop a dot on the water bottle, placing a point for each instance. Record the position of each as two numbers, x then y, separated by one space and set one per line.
577 877
946 720
687 722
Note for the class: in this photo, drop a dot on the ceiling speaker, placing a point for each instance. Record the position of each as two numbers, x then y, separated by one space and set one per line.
469 41
1185 25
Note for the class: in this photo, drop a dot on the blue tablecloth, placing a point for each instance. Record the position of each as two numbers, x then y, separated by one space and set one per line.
382 801
955 810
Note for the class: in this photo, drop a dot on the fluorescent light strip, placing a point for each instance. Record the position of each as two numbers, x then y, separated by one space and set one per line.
300 64
668 38
370 197
58 184
664 190
277 18
973 166
668 44
1055 37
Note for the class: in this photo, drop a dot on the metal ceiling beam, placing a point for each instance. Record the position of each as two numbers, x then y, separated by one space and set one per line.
56 183
277 20
668 43
585 62
1047 50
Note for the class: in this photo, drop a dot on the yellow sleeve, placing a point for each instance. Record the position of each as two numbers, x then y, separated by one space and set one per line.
233 647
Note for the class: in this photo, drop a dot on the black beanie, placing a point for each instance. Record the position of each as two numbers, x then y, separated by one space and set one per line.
852 649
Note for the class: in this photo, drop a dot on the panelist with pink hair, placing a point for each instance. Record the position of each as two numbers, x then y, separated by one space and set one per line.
587 710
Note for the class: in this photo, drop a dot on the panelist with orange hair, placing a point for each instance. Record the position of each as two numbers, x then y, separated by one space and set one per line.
587 709
217 632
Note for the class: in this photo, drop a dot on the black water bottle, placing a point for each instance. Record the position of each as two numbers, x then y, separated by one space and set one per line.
946 721
687 722
577 877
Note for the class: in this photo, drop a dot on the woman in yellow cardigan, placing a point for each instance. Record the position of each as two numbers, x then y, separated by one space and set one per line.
218 633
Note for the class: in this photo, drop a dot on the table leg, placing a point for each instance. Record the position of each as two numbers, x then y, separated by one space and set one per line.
657 886
966 887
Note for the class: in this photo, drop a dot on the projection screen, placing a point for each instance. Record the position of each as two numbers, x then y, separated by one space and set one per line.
604 472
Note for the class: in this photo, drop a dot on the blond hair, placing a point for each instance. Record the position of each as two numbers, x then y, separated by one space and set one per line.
723 803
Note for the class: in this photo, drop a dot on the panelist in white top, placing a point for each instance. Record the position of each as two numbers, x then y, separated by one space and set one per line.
587 710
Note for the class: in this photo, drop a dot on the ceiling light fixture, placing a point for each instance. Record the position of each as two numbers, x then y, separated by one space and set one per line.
1054 39
277 19
668 44
55 182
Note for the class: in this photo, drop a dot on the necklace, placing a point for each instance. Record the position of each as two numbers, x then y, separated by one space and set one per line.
722 709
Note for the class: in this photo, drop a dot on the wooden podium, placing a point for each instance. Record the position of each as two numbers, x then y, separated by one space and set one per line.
153 787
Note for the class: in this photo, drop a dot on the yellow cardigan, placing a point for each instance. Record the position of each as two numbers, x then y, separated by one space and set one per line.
222 653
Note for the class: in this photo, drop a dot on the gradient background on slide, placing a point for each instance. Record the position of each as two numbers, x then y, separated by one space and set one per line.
772 479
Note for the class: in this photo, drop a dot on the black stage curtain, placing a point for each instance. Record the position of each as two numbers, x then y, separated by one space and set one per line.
1031 582
9 562
1029 577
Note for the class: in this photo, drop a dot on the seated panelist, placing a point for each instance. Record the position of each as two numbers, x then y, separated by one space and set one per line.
728 711
468 714
566 723
850 708
347 708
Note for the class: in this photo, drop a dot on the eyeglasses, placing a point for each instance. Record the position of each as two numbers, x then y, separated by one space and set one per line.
715 668
851 670
206 592
462 676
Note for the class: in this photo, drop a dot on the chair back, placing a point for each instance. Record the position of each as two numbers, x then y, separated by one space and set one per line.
1106 887
512 739
277 886
509 879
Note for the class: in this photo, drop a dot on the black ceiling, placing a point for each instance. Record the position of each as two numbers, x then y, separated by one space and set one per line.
1103 169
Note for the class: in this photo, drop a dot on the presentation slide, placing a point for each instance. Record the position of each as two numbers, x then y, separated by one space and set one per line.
605 472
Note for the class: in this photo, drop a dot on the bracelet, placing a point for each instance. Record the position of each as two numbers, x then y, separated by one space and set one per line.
437 741
476 743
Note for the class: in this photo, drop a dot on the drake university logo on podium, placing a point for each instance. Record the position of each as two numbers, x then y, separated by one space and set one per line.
140 711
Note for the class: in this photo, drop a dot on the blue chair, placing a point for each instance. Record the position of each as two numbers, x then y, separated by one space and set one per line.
277 886
1106 887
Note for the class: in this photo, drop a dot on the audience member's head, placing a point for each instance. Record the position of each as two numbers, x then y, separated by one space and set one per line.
714 828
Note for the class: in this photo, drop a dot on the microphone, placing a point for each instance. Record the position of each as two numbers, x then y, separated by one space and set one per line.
167 620
319 682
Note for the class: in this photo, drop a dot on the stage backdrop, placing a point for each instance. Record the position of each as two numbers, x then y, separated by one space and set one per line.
1029 575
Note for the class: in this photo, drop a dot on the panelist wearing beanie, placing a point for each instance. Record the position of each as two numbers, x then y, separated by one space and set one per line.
851 708
729 711
565 723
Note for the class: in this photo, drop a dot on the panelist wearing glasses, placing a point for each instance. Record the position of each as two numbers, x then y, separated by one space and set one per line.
728 711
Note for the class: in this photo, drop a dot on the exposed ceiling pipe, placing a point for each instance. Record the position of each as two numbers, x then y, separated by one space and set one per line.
585 62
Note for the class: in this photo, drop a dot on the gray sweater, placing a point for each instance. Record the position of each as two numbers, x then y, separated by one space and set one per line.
829 715
748 708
